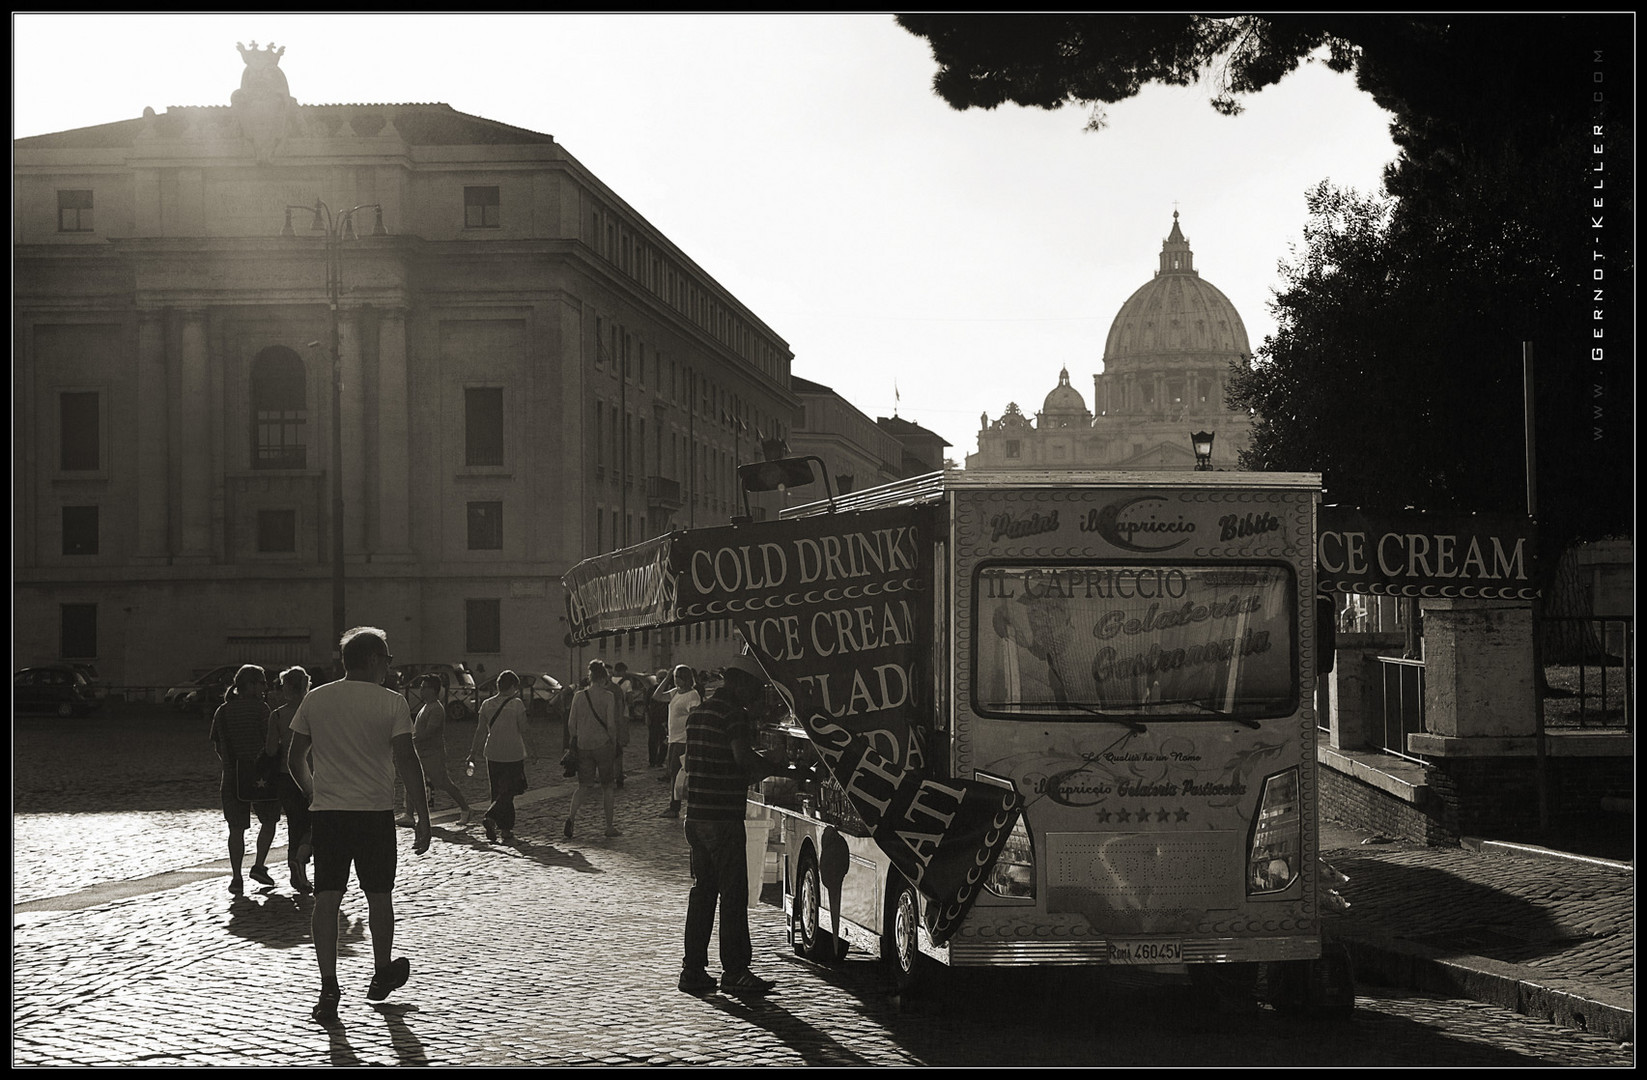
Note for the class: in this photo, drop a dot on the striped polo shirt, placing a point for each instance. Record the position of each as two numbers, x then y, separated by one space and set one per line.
716 787
242 723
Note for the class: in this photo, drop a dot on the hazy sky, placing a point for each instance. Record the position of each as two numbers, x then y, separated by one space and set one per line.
962 258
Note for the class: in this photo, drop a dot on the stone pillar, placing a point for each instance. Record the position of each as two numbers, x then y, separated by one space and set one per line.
195 441
1478 661
393 437
1356 719
354 433
153 414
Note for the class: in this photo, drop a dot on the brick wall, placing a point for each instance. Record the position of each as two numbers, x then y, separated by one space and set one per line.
1498 797
1492 798
1346 799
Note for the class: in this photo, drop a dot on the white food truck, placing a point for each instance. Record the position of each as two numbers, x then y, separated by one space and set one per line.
1033 718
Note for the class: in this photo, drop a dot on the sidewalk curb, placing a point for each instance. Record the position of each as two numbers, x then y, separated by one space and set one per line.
1532 851
1390 961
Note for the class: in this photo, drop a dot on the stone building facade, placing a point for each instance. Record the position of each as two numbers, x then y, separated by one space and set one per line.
528 373
1166 361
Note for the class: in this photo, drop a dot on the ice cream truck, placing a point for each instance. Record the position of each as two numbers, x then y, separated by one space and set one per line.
1031 718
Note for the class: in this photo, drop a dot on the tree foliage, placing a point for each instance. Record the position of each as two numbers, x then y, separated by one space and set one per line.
1396 368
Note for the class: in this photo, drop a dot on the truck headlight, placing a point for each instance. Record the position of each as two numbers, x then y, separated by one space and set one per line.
1276 850
1013 874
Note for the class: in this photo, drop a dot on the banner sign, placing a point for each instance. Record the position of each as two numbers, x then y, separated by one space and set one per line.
1471 556
629 589
837 610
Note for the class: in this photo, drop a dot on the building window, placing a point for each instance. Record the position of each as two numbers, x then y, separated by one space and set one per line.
480 208
78 635
80 433
280 410
277 531
483 426
80 530
485 526
483 626
1012 448
74 211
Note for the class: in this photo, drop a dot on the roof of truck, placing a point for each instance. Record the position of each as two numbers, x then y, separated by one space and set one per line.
932 486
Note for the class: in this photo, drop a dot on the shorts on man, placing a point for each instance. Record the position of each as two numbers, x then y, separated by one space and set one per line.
597 768
364 839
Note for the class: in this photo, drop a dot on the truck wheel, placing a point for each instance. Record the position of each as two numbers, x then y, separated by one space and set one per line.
1331 982
811 940
900 948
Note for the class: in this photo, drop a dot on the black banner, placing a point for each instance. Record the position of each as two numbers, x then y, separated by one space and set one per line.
1465 556
836 608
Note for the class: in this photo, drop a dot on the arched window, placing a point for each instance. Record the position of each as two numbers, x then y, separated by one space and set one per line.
280 412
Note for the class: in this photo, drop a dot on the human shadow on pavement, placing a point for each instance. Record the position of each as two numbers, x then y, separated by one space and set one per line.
542 854
407 1046
814 1046
275 919
341 1052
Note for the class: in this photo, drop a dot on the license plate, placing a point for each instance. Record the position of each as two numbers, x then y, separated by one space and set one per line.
1146 952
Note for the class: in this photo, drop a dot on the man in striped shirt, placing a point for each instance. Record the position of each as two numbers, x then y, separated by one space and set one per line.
721 763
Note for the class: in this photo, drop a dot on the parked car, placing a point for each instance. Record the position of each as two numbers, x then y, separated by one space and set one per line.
541 692
206 692
188 695
99 687
457 691
53 688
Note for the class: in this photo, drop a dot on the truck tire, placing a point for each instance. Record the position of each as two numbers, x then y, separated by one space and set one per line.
911 969
810 939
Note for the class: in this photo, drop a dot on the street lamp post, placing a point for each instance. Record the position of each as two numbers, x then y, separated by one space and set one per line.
337 227
1202 442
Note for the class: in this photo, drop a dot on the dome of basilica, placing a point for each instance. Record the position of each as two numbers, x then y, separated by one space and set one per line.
1065 398
1175 314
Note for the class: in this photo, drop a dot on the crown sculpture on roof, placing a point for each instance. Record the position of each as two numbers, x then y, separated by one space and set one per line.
263 104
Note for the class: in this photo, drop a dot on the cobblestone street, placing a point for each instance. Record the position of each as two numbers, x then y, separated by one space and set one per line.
128 949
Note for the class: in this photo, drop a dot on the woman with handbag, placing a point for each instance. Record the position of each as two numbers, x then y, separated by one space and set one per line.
500 739
596 723
239 729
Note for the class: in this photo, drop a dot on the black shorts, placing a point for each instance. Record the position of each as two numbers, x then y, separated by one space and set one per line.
364 838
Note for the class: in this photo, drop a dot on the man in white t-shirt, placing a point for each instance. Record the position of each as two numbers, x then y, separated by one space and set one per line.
360 734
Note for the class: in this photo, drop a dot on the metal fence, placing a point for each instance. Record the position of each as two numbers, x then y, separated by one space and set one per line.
1403 703
1593 686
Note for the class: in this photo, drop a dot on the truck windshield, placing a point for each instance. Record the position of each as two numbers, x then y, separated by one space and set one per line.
1156 642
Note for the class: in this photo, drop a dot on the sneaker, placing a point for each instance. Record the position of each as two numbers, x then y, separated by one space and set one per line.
300 881
466 817
566 831
237 886
613 830
696 981
260 874
491 828
403 819
325 1010
389 979
508 837
745 982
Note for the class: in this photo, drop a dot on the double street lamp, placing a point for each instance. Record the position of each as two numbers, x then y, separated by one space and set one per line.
337 227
